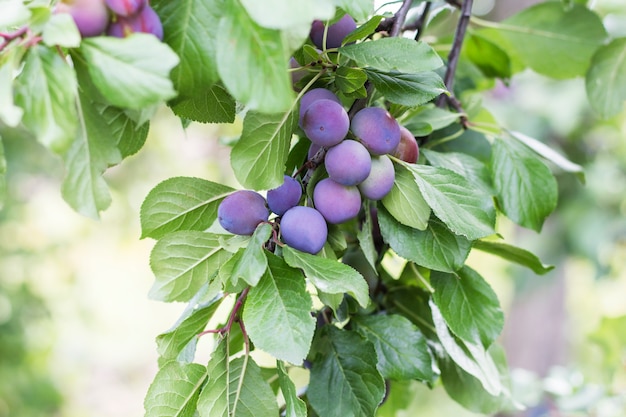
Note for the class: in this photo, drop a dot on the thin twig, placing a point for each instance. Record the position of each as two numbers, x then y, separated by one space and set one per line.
231 317
399 18
11 36
455 52
455 3
419 25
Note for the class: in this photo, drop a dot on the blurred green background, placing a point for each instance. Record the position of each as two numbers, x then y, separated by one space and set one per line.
77 329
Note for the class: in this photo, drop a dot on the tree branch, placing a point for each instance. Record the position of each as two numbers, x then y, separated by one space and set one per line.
419 24
232 317
453 57
10 37
399 18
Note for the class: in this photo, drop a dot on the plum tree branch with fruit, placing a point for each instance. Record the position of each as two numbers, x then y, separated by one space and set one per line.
342 253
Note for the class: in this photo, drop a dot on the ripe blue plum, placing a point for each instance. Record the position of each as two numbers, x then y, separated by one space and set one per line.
376 129
337 203
304 228
146 21
285 196
325 122
380 180
348 163
313 95
407 149
91 16
242 211
336 32
125 7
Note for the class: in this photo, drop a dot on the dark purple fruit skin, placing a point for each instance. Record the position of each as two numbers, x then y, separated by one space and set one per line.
336 32
304 229
337 203
91 16
325 122
286 196
313 95
146 21
380 180
242 211
376 129
407 150
348 163
125 7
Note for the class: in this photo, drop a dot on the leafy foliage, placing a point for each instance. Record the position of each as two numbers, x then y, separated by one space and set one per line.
345 316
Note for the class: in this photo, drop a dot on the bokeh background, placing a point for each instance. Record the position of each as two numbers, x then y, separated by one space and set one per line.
77 328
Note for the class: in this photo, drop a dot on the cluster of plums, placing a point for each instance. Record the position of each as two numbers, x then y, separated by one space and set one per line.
358 167
118 18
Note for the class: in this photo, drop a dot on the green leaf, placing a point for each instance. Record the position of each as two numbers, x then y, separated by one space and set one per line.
193 321
131 134
181 203
606 79
236 388
344 380
10 113
62 31
555 41
393 54
283 14
463 164
328 275
425 120
214 105
131 72
350 80
401 347
252 61
253 262
526 189
492 60
366 239
294 406
175 389
3 174
436 247
189 29
408 89
469 305
466 389
363 31
471 357
93 151
215 396
358 9
513 254
259 156
465 209
182 262
281 303
14 13
550 154
46 89
405 202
